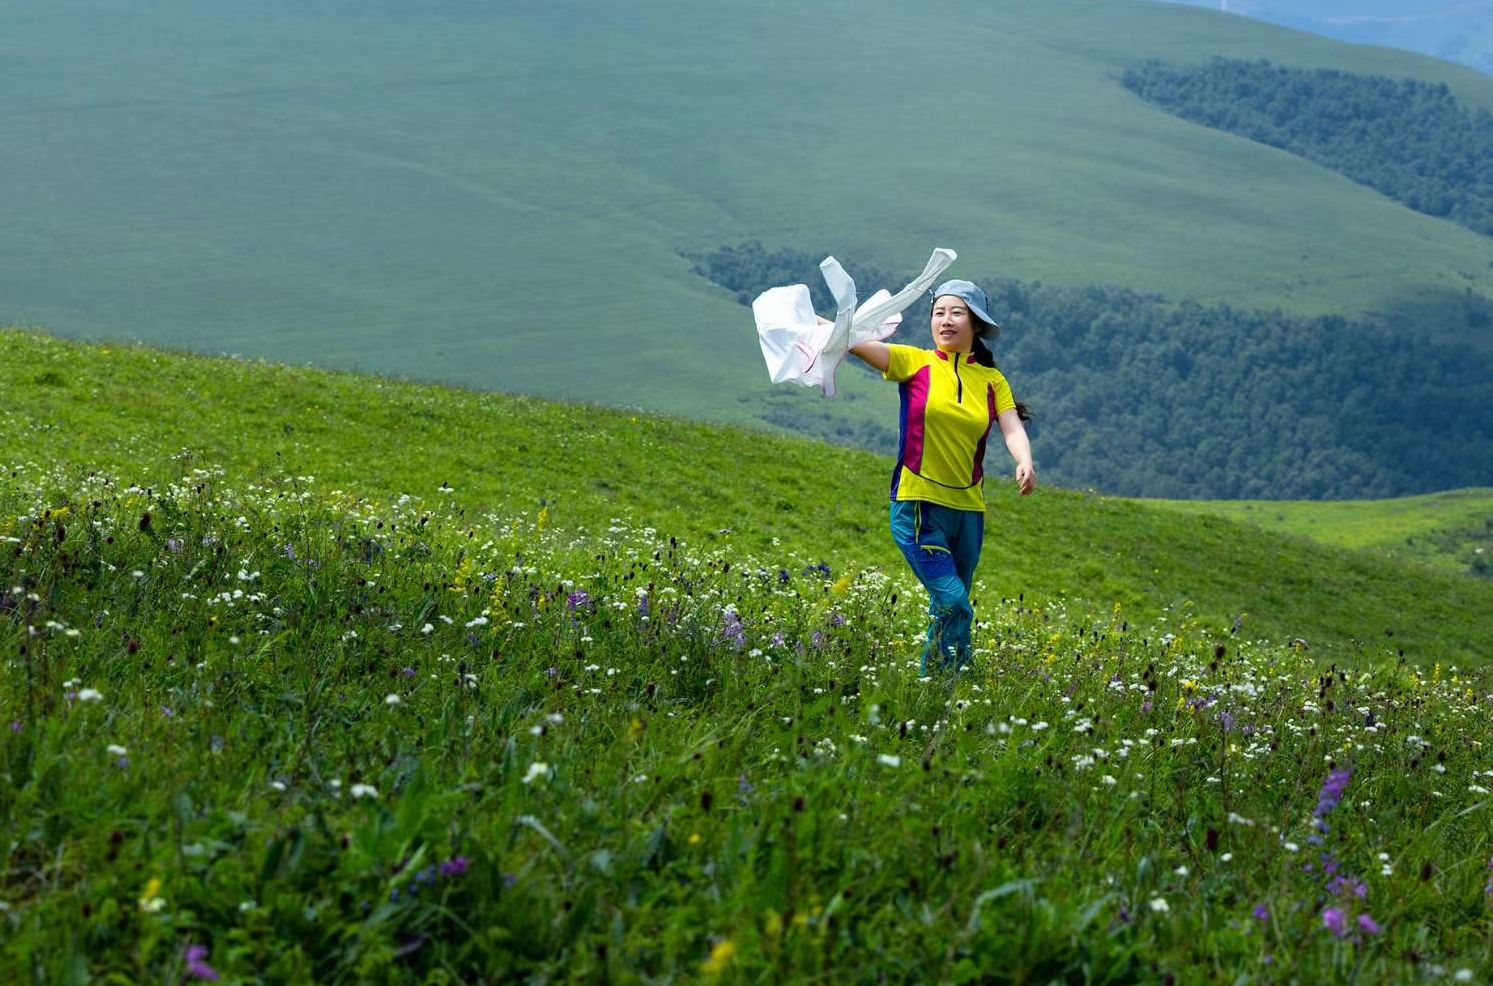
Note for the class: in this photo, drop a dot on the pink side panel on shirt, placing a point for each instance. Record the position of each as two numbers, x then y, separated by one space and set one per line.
980 449
914 411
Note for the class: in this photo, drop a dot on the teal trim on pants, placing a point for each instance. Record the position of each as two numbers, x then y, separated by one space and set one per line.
943 547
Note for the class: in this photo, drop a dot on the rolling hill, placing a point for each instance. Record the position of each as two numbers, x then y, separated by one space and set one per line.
502 195
148 418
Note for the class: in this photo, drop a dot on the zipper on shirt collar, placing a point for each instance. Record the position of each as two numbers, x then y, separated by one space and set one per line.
959 399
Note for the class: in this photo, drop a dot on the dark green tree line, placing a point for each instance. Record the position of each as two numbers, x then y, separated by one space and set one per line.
1138 395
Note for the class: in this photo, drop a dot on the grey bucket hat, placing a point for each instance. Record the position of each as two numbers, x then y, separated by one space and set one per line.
979 305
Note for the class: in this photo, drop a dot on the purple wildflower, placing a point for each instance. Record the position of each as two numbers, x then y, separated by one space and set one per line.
197 967
579 599
744 786
818 639
1262 913
174 545
1340 885
408 672
455 867
643 606
783 576
290 552
1228 720
1368 925
732 631
15 726
836 620
1332 793
168 712
778 639
1335 921
1146 707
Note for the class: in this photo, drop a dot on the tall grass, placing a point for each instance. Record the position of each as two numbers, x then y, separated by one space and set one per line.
278 733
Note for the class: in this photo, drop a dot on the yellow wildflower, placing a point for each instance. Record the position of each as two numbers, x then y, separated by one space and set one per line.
694 838
720 957
463 572
840 587
636 729
772 923
544 516
150 899
58 513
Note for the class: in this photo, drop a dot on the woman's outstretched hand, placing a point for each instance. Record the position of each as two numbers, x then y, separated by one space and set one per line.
1026 478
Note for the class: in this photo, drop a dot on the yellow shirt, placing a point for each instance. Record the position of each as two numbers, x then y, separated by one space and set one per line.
949 403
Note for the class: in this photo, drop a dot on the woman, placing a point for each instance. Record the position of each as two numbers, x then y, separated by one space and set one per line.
951 395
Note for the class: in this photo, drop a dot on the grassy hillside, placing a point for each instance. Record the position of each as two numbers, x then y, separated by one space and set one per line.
1451 531
148 416
499 195
581 704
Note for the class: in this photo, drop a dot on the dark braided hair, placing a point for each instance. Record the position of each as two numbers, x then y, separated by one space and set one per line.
985 357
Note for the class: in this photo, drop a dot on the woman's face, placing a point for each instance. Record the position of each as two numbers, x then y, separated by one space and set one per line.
953 325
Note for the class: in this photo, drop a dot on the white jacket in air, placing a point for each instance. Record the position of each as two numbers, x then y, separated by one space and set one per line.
800 347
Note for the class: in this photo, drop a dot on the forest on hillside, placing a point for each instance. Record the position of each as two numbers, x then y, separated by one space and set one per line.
1138 395
1407 139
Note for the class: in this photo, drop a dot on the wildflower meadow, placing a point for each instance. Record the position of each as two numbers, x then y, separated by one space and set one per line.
266 731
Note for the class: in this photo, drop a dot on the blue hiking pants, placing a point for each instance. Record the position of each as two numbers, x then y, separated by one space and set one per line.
943 546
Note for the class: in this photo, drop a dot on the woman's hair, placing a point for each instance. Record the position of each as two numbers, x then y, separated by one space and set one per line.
987 358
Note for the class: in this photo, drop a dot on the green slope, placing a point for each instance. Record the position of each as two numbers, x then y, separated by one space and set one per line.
1451 531
497 195
150 417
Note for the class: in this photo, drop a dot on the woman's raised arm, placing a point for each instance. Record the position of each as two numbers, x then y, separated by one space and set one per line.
872 353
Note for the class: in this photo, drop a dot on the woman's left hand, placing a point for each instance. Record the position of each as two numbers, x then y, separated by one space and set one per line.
1026 478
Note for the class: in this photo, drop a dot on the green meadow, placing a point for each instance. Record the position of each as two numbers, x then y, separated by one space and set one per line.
318 678
144 412
1452 531
501 195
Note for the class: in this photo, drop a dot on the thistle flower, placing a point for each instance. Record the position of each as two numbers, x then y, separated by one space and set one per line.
1335 921
196 958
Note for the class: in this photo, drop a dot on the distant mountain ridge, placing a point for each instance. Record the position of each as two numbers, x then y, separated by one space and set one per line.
1456 30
